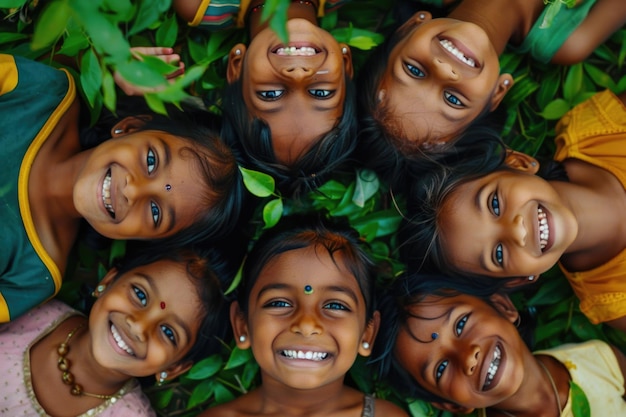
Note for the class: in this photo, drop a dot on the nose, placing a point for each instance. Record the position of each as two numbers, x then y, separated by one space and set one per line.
444 70
306 323
136 187
297 72
518 231
137 327
470 362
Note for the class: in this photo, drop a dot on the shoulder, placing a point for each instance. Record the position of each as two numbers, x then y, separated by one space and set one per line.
386 408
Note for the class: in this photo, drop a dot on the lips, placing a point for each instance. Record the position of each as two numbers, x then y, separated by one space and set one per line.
106 194
119 340
459 52
296 50
544 230
309 355
493 368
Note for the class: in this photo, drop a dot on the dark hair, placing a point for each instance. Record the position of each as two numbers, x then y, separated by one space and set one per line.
405 292
314 230
209 274
253 138
217 163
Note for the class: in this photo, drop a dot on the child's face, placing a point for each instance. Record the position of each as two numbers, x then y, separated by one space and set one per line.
306 338
477 358
300 94
146 320
506 224
140 186
438 79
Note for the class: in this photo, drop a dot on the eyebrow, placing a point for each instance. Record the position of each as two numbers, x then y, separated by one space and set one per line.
177 320
333 288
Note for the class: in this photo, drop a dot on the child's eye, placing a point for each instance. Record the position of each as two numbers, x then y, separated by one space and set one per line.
495 204
270 95
278 304
499 255
442 367
169 333
321 93
150 161
141 296
155 211
460 325
336 306
414 71
452 99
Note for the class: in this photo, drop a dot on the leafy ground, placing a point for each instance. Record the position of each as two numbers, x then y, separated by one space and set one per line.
96 35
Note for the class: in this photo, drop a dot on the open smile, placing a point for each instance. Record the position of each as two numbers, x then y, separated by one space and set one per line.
456 51
296 50
544 230
494 366
120 341
306 355
106 194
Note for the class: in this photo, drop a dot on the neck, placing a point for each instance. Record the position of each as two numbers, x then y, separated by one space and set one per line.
504 21
287 401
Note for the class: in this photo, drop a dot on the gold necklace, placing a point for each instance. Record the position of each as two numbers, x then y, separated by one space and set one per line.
556 391
64 366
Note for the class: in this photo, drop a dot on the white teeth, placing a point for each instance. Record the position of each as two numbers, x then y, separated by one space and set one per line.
544 229
292 50
449 46
106 194
299 354
493 367
120 341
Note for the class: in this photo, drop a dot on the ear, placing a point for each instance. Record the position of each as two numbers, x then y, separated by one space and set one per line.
108 278
369 335
235 62
240 326
347 59
503 304
521 162
177 369
505 82
517 282
453 408
128 125
414 21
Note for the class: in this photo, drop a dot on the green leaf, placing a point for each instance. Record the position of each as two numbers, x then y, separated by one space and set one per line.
331 189
555 109
90 76
155 103
118 249
236 280
167 33
258 183
163 398
108 90
9 4
205 368
250 371
238 357
272 212
599 77
580 404
573 82
222 394
50 24
367 185
201 393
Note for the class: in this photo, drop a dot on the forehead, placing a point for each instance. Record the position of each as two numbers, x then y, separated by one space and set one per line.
312 265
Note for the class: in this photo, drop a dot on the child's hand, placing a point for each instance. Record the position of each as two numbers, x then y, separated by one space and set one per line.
167 55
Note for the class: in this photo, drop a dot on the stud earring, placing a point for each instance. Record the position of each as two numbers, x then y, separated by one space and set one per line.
506 82
366 345
344 50
99 290
531 277
162 377
242 338
238 52
422 16
533 163
118 131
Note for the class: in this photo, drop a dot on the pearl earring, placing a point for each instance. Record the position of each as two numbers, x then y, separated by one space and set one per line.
366 345
531 277
242 338
162 377
238 52
99 290
118 131
344 50
422 16
506 82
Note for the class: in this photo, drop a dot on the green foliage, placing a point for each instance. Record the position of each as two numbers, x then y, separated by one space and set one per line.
94 38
